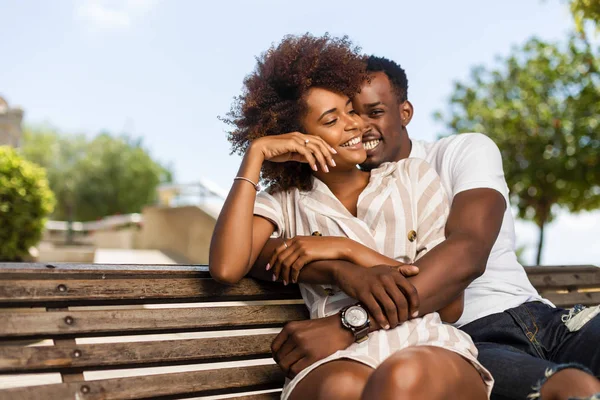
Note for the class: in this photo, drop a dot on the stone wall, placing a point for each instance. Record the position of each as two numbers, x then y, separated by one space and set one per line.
184 231
10 124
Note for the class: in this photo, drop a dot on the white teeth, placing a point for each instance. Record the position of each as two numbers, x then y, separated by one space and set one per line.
371 144
351 142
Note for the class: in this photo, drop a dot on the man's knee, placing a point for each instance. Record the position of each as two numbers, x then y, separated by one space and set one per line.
567 381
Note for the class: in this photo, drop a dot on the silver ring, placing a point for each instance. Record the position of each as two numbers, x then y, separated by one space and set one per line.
306 142
285 244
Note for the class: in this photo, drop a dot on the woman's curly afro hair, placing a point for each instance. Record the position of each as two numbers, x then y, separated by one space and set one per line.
272 100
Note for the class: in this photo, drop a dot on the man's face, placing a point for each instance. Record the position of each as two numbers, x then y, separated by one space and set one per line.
377 103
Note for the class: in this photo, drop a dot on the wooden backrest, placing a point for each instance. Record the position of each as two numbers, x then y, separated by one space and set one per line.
123 331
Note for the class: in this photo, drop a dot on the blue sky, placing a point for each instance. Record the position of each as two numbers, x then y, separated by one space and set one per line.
165 69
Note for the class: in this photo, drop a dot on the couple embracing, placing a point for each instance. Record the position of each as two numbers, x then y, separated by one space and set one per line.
406 262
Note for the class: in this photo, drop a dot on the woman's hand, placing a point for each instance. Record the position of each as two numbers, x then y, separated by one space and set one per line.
293 254
298 147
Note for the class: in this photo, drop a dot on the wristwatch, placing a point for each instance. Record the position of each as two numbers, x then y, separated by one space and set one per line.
356 319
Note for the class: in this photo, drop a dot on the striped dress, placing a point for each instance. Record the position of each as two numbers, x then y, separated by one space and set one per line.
400 214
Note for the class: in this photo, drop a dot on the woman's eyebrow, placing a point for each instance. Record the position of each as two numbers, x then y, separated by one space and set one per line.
326 112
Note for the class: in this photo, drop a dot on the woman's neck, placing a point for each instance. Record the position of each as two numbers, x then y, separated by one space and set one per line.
346 185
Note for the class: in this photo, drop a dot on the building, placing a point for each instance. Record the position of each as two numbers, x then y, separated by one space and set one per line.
10 124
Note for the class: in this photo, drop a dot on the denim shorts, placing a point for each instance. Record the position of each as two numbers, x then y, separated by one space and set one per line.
523 346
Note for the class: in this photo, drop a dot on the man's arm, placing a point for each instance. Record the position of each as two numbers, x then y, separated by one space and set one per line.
471 230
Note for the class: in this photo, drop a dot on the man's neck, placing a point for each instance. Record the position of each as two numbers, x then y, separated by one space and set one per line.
405 146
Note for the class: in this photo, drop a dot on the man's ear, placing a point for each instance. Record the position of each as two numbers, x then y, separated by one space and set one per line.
406 112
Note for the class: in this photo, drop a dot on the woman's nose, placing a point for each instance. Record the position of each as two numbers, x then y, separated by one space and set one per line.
353 123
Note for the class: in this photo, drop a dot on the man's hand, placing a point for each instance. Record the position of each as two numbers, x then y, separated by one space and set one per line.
293 254
379 286
302 343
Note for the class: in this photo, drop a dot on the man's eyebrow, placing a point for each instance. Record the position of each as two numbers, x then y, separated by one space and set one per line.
371 105
327 112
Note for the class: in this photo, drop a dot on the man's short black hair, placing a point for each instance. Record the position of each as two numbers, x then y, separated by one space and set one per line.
394 72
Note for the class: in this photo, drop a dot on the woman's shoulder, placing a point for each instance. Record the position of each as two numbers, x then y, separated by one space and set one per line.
415 169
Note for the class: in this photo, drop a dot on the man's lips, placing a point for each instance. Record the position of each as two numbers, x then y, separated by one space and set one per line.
371 142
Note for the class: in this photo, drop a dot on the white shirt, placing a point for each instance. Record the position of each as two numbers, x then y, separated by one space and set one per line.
469 161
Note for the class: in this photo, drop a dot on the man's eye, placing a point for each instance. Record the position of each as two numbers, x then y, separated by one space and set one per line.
331 122
376 112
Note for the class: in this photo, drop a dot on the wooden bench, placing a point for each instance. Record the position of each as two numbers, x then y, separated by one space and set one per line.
133 332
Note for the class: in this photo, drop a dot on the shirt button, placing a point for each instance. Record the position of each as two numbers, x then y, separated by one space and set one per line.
412 235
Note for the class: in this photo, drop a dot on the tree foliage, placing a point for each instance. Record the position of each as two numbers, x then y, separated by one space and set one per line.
584 11
25 202
542 108
93 178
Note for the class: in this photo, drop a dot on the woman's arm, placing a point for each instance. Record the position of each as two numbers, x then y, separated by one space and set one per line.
239 235
237 227
288 259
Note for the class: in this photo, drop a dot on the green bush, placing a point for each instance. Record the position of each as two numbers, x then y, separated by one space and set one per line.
25 202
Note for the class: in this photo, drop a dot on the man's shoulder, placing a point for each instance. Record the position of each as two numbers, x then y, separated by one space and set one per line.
454 146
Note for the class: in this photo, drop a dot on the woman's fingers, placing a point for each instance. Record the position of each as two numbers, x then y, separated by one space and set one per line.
318 153
327 151
282 253
286 265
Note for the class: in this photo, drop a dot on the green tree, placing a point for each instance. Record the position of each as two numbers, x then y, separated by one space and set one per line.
542 108
584 11
93 178
25 202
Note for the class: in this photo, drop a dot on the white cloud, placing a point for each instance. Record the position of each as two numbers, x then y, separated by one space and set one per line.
110 15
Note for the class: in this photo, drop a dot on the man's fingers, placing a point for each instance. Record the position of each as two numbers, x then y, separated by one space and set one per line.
373 306
389 307
291 358
400 302
408 270
410 293
279 340
296 368
285 349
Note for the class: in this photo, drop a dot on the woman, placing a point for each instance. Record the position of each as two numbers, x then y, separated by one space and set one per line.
305 85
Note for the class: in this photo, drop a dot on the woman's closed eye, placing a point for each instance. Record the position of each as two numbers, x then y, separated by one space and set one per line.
331 123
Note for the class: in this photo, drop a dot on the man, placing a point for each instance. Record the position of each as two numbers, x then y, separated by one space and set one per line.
521 337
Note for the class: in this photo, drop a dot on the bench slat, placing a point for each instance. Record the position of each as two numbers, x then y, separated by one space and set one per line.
103 322
260 396
49 293
126 355
568 300
565 278
226 380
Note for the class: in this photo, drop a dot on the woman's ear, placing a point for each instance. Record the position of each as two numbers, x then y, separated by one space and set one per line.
406 112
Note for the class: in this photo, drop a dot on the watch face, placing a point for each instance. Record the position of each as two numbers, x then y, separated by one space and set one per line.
356 316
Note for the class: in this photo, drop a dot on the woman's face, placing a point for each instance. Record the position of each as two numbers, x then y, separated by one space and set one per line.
331 117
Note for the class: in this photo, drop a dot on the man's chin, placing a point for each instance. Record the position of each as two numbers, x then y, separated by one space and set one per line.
369 164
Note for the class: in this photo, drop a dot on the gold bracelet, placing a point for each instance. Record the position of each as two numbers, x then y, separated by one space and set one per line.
242 178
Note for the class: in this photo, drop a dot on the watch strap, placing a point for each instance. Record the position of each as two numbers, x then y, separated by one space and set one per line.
361 335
